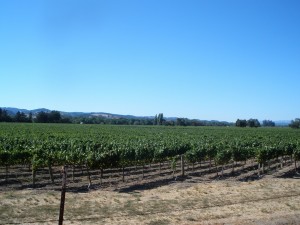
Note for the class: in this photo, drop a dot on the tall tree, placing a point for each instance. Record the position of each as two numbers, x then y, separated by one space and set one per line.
155 120
180 122
268 123
30 117
160 119
295 123
42 117
20 117
241 123
253 123
54 117
4 117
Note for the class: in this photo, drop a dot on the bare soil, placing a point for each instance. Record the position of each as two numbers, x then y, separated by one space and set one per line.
199 197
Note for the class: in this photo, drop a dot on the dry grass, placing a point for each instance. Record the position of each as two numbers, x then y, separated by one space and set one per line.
267 201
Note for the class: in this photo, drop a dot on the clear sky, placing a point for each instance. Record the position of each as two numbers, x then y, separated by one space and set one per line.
204 59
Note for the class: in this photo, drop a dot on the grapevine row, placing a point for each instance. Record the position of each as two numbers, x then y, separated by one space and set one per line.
102 147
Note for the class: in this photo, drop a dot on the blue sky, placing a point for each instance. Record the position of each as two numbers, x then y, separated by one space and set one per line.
205 59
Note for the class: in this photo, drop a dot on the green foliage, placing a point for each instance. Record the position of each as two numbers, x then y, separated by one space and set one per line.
295 123
241 123
4 117
100 147
297 152
249 123
223 156
253 123
239 151
268 123
51 117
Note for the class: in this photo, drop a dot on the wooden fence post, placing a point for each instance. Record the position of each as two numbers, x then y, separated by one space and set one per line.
63 195
182 165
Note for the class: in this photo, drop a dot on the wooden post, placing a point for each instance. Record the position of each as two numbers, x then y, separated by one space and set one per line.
101 175
73 172
143 171
81 170
258 169
182 165
89 176
6 174
222 170
50 173
63 195
33 177
159 168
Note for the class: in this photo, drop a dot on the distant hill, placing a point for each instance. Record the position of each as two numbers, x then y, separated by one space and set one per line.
12 111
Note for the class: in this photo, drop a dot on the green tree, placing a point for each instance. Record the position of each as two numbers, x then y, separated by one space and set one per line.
268 123
253 123
30 117
181 122
42 117
155 120
54 117
20 117
295 123
4 117
160 119
241 123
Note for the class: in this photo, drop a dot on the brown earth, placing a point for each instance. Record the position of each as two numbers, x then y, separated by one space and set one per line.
200 197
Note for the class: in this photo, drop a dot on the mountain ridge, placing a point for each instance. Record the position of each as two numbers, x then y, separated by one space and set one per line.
14 110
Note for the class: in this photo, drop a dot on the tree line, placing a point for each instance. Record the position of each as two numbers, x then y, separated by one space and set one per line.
254 123
194 122
56 117
249 123
19 117
41 117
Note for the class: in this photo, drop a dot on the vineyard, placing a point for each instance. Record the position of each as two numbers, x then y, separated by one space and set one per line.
31 155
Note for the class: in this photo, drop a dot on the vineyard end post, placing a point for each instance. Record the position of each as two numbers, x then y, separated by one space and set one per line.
63 195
